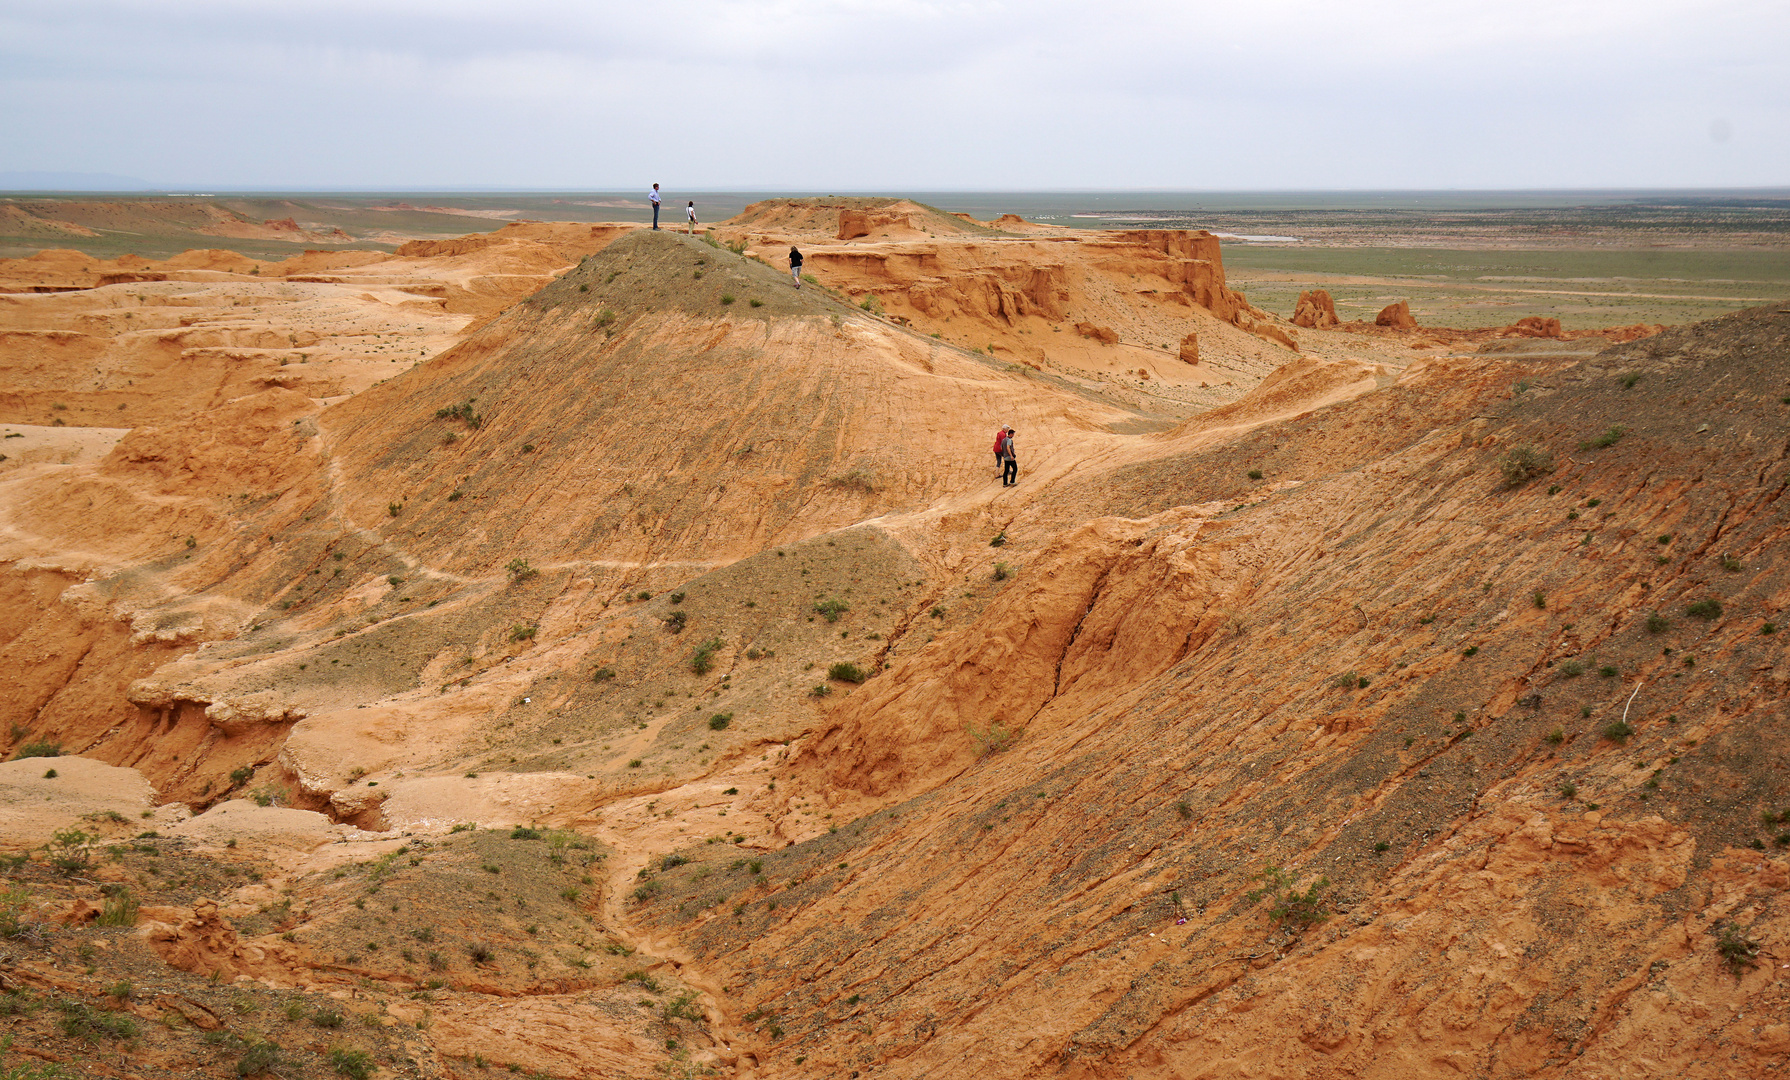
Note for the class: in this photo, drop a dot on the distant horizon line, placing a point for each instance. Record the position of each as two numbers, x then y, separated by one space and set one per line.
204 190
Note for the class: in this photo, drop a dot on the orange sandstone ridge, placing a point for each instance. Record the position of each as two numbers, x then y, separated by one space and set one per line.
573 649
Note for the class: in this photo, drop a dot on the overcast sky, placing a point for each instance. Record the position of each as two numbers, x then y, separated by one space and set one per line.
830 95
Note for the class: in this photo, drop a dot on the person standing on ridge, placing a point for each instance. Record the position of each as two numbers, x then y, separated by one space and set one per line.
690 211
795 266
1010 461
653 197
999 463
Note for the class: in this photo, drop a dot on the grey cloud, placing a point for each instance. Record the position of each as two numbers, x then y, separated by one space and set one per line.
889 93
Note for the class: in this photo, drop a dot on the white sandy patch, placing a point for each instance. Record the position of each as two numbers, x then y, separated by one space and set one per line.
33 807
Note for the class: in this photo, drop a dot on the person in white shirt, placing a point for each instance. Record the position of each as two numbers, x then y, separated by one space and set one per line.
690 211
654 197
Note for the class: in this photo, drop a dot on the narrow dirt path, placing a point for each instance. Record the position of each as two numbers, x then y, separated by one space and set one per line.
734 1045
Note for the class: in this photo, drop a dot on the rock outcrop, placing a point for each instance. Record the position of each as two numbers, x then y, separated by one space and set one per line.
1397 316
1190 349
1535 326
1315 310
854 223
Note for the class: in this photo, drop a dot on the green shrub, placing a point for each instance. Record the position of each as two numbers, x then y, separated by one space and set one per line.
820 690
846 671
727 298
994 738
1002 572
70 850
1618 731
354 1064
702 661
461 412
1736 949
1608 671
1705 609
643 980
1287 903
38 749
1572 669
119 909
14 902
682 1007
831 608
1521 464
1611 436
82 1022
519 570
602 674
328 1017
522 632
1657 623
719 721
523 832
259 1058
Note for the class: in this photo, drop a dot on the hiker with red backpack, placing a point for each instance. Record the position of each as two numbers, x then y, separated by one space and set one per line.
998 436
1009 461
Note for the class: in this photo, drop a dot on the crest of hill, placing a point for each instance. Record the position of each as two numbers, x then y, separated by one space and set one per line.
901 218
568 240
668 399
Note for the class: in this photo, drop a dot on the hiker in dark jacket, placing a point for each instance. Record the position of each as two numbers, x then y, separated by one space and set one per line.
1009 461
795 266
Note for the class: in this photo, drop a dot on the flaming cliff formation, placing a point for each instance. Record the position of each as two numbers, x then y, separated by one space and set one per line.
575 650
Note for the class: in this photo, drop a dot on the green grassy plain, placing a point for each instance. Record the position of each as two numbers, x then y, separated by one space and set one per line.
1494 287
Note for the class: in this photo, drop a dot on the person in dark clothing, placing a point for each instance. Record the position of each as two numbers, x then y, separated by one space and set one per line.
1009 461
795 266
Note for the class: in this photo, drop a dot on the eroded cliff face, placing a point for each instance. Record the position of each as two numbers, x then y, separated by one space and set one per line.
1549 742
1403 711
